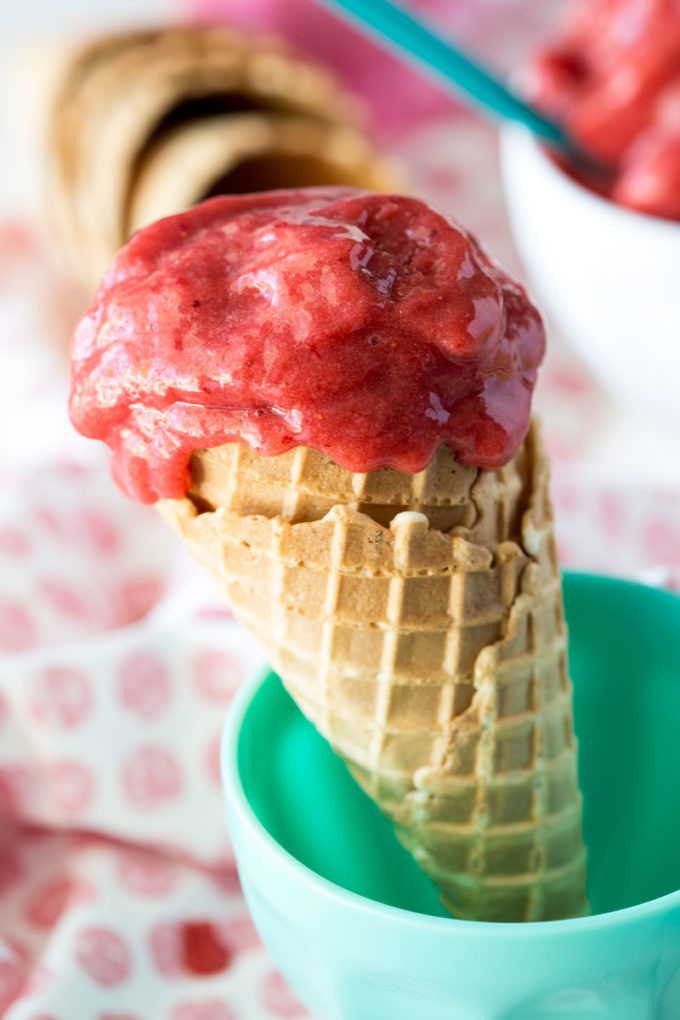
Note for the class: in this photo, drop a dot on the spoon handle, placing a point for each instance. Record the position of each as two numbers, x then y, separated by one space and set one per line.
394 27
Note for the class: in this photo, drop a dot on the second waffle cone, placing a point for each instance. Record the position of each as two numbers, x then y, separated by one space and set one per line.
145 124
417 620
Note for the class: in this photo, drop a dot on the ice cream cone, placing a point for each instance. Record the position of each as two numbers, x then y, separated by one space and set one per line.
417 620
146 124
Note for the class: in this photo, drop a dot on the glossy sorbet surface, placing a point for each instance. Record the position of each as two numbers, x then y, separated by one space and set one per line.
369 327
613 77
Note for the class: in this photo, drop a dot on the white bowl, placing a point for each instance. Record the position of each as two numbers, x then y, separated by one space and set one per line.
608 277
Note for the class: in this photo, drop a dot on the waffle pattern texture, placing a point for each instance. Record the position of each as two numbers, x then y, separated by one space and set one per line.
417 620
146 124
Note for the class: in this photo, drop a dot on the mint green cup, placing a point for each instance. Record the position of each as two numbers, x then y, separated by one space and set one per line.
357 929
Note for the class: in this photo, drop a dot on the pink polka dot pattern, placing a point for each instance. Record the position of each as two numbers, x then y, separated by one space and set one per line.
225 877
151 776
136 596
104 955
205 1009
61 697
143 684
50 521
662 542
17 788
13 969
278 998
213 613
99 531
64 598
217 675
146 874
14 543
37 982
17 629
165 946
71 786
118 1016
10 868
239 934
49 901
212 760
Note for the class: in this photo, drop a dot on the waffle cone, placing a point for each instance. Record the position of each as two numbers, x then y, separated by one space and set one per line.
148 123
417 620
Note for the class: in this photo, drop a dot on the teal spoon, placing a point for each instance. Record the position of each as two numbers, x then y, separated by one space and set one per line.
396 29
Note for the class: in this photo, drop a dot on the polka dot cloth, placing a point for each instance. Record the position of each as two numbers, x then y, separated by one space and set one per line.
119 899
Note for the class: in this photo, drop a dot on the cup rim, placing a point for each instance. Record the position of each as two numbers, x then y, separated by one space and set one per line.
518 134
237 799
